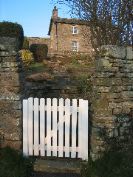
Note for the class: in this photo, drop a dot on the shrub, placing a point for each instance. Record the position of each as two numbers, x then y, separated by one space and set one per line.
25 44
26 56
117 160
39 51
13 164
84 84
111 164
9 29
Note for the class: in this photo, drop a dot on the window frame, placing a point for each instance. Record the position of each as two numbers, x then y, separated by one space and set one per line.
75 30
75 46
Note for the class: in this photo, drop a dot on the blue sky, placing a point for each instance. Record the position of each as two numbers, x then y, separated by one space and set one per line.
33 15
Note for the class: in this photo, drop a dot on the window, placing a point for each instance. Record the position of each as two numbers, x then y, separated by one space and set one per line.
75 46
74 30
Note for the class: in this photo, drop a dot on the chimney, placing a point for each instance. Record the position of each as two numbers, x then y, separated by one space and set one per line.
55 13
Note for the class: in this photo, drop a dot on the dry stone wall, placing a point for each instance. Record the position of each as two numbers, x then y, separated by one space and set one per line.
11 86
112 102
60 86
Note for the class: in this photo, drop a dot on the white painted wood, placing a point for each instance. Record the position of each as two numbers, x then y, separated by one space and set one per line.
74 123
80 145
25 128
67 126
60 127
84 147
36 126
42 126
48 127
30 122
30 125
54 127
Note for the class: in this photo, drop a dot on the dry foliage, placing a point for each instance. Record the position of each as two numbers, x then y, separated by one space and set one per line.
110 21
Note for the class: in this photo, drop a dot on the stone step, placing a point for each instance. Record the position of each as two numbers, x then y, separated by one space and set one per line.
43 174
57 166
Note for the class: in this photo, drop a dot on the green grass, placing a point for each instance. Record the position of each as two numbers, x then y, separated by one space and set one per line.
13 164
37 67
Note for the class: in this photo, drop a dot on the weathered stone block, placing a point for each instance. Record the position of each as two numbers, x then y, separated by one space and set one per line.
102 82
129 55
117 111
114 95
127 94
13 144
11 128
113 51
13 78
103 64
9 44
103 89
116 81
116 89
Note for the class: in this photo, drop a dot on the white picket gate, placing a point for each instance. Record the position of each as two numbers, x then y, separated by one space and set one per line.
55 127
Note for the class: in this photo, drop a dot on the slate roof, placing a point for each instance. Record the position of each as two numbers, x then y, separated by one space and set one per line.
66 21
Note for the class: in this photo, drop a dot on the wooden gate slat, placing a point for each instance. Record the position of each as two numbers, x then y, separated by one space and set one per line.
36 127
30 125
48 127
74 123
80 145
85 130
54 127
67 127
25 128
60 127
42 127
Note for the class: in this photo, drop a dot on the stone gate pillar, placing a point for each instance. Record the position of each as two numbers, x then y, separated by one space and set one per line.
112 103
11 87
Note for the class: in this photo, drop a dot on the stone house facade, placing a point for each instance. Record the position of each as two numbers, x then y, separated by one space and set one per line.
69 35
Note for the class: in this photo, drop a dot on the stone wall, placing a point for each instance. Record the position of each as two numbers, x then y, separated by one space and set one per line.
112 102
11 87
38 40
57 86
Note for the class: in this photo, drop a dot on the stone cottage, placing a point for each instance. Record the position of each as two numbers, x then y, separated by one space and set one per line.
68 35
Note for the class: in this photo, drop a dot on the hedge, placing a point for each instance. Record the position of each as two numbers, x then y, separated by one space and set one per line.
25 44
39 51
9 29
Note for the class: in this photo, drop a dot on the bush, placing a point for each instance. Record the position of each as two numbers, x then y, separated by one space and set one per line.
25 44
9 29
84 84
39 51
26 56
112 164
117 160
13 164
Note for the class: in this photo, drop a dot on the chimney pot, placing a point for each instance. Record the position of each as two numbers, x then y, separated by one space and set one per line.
55 13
